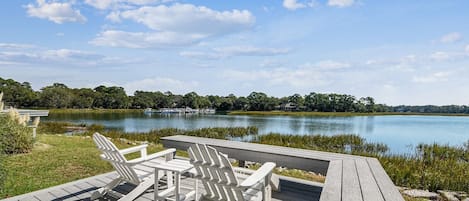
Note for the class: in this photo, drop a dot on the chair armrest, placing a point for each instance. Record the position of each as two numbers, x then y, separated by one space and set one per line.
133 149
161 153
152 156
260 174
243 170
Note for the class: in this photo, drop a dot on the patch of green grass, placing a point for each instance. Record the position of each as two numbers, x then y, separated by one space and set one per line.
54 160
338 114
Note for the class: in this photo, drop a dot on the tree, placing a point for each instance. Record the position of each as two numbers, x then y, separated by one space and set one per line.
18 94
191 100
83 98
369 104
111 97
56 96
297 99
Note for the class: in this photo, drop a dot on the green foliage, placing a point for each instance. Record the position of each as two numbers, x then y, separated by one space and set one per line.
151 136
56 96
2 172
337 143
111 97
14 137
53 127
155 135
18 94
433 167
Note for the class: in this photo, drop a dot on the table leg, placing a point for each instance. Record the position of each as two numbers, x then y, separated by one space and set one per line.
178 181
155 186
169 176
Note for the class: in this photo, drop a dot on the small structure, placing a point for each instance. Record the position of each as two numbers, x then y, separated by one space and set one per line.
288 107
186 110
34 114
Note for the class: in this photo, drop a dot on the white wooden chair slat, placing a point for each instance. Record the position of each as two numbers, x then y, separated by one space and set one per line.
137 171
220 178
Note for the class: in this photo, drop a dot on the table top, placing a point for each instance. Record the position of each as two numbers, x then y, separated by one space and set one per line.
175 165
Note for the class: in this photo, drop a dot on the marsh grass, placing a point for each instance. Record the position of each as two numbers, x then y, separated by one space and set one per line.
151 136
352 144
432 167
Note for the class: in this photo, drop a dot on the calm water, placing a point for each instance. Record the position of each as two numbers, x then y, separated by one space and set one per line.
400 133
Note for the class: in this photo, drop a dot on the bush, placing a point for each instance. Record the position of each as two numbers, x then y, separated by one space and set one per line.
15 136
2 173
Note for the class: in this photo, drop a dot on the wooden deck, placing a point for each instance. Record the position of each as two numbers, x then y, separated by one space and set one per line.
292 190
31 113
348 177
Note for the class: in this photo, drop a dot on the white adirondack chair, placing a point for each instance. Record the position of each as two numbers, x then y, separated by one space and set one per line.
137 171
220 180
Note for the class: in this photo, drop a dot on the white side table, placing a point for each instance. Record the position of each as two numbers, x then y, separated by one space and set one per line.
178 167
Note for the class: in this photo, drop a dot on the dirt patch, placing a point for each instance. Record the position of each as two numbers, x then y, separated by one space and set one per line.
38 146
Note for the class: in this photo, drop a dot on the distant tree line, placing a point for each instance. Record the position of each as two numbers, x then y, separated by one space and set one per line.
58 95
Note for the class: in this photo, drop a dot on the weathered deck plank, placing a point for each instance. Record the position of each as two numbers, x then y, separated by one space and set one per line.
82 190
333 192
351 190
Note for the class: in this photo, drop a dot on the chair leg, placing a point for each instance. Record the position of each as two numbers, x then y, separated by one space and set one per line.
103 190
140 189
267 194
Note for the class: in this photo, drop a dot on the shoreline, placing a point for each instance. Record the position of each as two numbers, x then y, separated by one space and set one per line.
339 114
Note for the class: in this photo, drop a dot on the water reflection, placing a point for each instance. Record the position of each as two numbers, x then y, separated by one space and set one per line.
395 131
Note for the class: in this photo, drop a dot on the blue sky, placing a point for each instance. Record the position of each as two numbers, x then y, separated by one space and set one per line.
400 52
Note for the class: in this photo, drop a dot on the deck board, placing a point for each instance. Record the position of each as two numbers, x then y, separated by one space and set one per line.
82 190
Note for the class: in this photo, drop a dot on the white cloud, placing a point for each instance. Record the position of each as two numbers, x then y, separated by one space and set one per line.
435 77
61 57
114 16
116 4
440 56
192 19
15 46
67 54
451 37
161 84
55 12
250 51
114 38
201 55
467 49
326 65
298 78
230 51
178 24
292 4
340 3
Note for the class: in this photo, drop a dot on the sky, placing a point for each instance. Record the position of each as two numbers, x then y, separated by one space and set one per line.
409 52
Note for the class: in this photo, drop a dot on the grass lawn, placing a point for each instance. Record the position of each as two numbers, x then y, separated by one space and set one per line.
55 160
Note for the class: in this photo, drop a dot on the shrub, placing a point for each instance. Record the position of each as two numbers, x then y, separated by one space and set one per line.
15 136
2 173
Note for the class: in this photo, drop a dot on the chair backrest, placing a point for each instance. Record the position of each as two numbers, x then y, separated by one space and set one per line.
111 153
216 173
